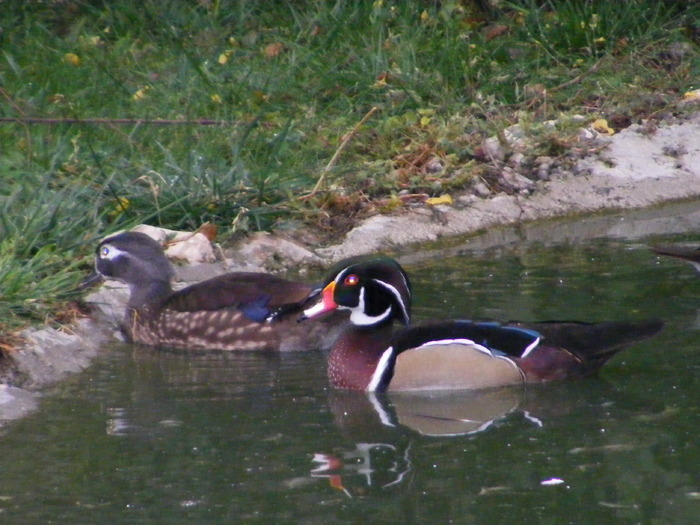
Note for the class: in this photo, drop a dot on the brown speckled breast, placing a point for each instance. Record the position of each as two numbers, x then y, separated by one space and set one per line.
229 329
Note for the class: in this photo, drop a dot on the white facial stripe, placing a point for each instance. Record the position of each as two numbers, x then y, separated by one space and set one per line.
358 317
397 295
380 370
109 252
341 274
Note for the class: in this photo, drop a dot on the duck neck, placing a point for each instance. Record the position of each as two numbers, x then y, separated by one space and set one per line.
149 295
355 355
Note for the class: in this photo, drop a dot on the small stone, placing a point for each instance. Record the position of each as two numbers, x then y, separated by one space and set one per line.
586 135
466 200
195 249
492 149
515 180
515 136
434 165
516 159
544 165
481 190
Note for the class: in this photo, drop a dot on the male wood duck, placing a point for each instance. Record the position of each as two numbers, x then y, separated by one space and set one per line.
228 312
370 356
689 254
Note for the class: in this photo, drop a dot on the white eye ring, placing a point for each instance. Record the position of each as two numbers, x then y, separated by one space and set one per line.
109 252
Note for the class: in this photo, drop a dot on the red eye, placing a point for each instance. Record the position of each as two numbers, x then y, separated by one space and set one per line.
351 280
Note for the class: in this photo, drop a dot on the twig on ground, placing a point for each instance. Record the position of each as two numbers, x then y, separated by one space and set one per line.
160 122
343 144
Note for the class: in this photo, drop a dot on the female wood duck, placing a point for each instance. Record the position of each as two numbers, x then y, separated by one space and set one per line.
228 312
455 354
689 254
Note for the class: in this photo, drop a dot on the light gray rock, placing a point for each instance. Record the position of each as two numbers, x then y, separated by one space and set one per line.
493 150
16 403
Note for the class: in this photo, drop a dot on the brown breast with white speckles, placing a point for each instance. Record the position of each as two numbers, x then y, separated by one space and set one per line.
354 357
230 329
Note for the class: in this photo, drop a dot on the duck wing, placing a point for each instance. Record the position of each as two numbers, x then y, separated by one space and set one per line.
593 343
499 339
244 290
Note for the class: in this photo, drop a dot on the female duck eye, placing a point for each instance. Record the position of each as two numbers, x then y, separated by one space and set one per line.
351 280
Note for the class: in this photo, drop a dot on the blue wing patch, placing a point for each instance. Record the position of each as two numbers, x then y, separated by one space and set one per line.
257 310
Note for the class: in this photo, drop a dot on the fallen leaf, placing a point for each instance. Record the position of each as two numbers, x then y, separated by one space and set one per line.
691 96
273 50
492 32
71 58
442 199
601 126
209 230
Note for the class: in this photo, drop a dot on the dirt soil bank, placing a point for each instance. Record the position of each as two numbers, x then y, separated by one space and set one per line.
638 169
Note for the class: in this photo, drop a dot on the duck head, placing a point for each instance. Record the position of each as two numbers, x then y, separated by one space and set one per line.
376 290
137 260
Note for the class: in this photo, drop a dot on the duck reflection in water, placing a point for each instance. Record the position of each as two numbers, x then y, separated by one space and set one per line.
383 427
687 253
380 465
690 254
389 438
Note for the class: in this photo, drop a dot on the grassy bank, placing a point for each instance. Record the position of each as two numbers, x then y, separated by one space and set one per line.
177 113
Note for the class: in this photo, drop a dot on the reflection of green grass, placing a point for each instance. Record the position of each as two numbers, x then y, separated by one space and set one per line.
286 81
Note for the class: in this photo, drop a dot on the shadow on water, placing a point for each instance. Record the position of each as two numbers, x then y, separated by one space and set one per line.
175 437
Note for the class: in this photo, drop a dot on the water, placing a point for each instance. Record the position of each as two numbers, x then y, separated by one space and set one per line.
166 437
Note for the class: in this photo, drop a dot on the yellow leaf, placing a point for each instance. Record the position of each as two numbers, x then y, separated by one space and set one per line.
692 96
424 121
442 199
380 83
141 93
120 207
71 58
601 126
216 99
223 58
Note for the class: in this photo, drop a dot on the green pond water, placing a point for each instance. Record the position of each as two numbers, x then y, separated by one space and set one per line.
149 436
